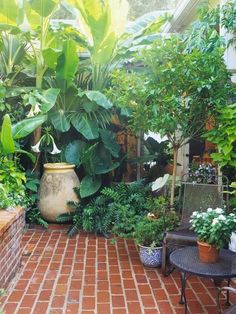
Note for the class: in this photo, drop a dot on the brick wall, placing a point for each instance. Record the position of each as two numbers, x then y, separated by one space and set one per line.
11 230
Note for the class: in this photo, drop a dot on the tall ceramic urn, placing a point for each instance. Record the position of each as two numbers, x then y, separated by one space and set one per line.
56 189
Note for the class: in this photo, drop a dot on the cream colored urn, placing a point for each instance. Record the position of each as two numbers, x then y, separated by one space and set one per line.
56 189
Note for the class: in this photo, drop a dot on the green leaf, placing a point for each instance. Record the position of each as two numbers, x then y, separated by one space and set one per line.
2 91
86 126
48 99
68 62
43 7
89 185
16 91
102 162
7 141
27 126
74 151
8 12
139 26
110 143
99 98
88 158
60 120
51 56
89 106
30 155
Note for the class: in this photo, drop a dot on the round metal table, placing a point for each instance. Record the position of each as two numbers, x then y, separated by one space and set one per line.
187 261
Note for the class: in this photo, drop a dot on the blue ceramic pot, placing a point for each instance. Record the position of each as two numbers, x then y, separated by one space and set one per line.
150 257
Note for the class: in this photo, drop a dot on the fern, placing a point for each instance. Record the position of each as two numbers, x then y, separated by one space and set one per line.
111 194
116 210
42 222
73 230
66 217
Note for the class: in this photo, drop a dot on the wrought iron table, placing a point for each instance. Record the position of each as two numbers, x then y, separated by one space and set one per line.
187 261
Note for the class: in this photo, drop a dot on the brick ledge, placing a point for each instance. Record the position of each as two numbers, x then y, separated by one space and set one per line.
8 217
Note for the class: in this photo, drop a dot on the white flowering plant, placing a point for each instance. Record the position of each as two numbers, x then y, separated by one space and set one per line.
45 142
214 226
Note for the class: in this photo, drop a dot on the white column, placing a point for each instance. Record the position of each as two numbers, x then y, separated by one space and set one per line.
230 53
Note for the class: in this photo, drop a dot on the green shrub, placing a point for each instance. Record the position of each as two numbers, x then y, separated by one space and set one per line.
150 232
12 183
33 214
116 210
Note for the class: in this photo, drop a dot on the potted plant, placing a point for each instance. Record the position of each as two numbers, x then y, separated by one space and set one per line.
148 235
213 228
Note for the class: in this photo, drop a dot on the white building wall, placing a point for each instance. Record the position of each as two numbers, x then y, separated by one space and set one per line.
230 53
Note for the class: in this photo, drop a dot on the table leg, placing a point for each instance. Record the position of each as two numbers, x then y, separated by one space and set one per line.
183 285
227 296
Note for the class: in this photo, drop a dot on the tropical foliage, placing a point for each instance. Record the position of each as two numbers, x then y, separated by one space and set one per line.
121 210
64 83
180 90
183 85
56 73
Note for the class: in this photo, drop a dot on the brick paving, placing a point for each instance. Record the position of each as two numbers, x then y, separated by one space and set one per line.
91 275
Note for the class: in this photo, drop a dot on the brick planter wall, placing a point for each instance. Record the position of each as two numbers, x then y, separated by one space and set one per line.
11 230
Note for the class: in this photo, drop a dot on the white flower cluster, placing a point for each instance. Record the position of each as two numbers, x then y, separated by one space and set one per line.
219 213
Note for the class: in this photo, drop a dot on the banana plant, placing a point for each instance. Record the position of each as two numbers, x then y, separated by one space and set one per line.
12 47
12 55
31 20
105 33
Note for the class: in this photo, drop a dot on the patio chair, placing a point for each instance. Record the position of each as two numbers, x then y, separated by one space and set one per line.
193 197
232 308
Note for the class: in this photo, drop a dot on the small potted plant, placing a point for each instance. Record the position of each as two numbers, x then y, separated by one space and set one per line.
149 235
213 228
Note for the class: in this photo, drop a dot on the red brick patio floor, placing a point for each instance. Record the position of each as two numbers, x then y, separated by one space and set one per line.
88 274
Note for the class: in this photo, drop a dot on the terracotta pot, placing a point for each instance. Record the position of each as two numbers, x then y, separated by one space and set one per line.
56 189
207 253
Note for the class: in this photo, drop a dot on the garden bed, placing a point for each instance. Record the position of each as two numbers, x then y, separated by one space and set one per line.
11 230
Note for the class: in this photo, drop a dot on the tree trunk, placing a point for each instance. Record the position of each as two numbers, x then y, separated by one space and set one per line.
172 194
38 132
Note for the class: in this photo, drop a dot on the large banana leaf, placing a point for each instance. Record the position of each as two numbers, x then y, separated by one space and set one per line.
9 11
48 99
51 56
143 23
12 53
67 62
43 7
102 22
37 11
27 126
7 142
